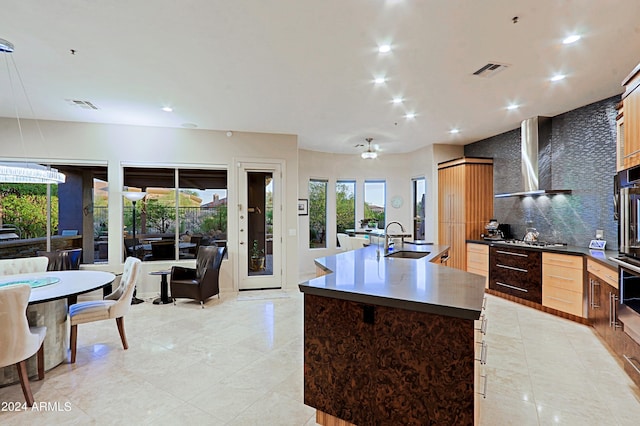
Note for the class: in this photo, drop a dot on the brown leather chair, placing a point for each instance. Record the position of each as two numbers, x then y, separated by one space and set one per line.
200 283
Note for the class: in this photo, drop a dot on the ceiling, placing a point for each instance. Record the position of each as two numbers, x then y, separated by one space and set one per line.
307 68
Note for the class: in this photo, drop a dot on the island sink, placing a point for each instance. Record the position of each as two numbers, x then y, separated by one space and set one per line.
403 254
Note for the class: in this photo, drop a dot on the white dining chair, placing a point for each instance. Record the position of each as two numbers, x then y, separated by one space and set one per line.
343 240
108 308
18 341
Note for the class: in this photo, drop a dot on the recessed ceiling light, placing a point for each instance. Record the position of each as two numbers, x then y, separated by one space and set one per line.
558 77
571 39
379 80
385 48
410 115
512 107
454 131
167 109
397 100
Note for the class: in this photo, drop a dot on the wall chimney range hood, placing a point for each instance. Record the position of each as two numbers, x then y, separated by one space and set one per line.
536 159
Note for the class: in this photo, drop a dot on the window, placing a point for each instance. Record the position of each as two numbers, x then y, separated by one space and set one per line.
419 191
78 215
317 213
374 196
345 205
190 215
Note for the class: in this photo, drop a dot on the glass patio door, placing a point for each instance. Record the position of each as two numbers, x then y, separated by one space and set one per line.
259 228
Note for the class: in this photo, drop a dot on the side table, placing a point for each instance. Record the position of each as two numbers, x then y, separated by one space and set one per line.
164 287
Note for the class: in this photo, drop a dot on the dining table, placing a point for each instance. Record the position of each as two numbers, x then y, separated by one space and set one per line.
51 294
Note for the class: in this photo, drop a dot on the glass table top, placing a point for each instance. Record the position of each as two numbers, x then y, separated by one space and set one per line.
33 282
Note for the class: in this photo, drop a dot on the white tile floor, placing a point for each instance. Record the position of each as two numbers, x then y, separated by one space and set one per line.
239 362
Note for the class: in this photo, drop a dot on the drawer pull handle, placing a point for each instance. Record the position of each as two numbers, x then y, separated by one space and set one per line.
561 260
630 361
561 300
513 268
561 278
512 286
512 254
484 388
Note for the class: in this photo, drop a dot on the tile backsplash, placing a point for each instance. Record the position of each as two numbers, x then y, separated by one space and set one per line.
583 159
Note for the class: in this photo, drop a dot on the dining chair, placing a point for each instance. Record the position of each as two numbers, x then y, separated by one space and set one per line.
343 241
19 341
97 310
23 265
358 242
202 282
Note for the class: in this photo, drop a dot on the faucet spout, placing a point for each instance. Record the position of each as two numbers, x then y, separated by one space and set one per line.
386 233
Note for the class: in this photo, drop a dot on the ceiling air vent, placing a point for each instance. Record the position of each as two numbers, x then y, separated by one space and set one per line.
490 70
81 104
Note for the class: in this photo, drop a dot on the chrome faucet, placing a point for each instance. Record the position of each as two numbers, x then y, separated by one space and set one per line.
386 234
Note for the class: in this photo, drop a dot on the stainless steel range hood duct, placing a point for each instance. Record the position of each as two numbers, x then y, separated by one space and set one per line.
536 159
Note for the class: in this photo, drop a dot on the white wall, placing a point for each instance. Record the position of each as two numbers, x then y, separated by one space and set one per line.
397 170
67 142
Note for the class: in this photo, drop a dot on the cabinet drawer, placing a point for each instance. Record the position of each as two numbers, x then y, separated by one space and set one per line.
475 261
562 300
478 248
606 274
562 277
568 261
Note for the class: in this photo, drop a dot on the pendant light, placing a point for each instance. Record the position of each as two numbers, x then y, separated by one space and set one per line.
26 171
369 154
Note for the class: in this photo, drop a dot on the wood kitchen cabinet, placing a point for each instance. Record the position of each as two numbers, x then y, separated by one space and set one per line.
478 260
465 204
563 283
629 120
603 301
516 272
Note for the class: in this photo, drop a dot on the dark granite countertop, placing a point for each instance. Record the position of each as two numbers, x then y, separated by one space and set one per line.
601 256
366 276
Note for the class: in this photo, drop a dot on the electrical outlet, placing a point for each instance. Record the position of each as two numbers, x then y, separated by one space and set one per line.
599 234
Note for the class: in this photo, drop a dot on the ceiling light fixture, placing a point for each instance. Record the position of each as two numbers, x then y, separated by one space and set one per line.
385 48
369 154
167 109
512 107
397 100
26 171
410 115
379 80
454 131
558 77
571 39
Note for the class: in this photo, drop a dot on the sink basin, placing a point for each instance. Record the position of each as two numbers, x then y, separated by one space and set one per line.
408 254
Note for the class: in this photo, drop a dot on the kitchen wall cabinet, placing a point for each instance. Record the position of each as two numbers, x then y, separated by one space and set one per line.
563 283
630 126
478 260
516 272
465 204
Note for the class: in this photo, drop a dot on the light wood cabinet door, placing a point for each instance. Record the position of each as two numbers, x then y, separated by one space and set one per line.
465 204
631 129
563 283
478 260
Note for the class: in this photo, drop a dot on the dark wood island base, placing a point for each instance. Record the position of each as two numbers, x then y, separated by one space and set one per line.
369 364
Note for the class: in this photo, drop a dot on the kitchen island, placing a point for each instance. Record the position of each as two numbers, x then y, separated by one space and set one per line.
391 340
